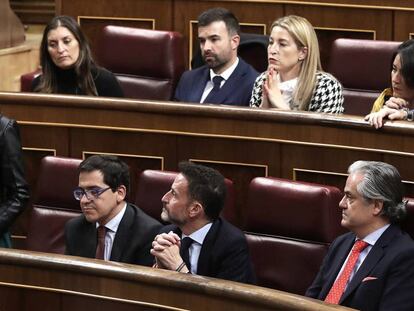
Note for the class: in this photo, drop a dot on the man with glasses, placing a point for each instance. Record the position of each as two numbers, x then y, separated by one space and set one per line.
110 228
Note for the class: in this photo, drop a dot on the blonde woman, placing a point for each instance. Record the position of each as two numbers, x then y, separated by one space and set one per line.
294 79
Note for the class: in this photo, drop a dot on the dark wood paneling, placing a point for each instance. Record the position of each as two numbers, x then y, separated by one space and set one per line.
34 11
403 25
347 18
38 281
11 28
321 177
238 141
160 10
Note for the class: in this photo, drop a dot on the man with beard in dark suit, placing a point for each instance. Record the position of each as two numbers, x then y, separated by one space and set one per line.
199 241
225 78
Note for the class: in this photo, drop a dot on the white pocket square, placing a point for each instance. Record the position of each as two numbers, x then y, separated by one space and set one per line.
369 278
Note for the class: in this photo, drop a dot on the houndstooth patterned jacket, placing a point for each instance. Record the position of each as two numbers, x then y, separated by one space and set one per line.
326 98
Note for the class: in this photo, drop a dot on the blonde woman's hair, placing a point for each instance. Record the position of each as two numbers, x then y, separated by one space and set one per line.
304 35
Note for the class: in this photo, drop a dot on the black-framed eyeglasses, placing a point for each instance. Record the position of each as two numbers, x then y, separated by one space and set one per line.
90 194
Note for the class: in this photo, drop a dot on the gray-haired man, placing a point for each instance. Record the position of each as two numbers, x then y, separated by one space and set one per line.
372 267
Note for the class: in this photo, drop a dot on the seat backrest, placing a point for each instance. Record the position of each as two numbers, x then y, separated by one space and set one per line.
359 102
289 227
27 79
294 209
53 204
153 184
361 66
147 63
46 229
57 178
285 264
253 50
151 187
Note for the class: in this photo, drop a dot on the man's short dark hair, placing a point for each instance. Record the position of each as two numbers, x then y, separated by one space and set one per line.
220 14
205 185
115 172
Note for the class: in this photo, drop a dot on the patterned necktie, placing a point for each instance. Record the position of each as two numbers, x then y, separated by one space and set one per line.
216 88
100 248
338 287
184 251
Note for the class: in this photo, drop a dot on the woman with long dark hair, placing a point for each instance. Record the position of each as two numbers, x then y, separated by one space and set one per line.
395 102
67 63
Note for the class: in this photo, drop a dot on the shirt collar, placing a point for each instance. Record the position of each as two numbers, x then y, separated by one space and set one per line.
226 73
373 237
113 224
288 85
199 235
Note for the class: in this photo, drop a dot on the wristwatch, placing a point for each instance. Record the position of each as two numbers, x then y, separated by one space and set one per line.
410 115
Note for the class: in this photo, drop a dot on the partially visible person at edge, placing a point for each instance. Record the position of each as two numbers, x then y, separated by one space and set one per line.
397 102
68 66
370 268
294 79
14 192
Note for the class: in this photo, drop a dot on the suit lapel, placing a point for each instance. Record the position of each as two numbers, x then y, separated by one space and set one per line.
199 85
231 84
375 255
204 260
122 235
89 244
369 263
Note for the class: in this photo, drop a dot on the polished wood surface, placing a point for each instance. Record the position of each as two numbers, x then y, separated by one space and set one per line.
241 142
11 28
368 19
34 11
39 281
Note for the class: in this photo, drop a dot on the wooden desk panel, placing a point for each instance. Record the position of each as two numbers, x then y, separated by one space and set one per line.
39 281
241 142
368 19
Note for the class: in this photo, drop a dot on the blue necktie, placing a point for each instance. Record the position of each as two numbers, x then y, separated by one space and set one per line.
184 251
216 88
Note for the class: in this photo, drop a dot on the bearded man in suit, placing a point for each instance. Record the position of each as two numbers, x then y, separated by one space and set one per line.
225 78
199 241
